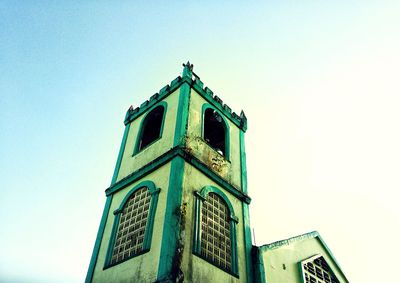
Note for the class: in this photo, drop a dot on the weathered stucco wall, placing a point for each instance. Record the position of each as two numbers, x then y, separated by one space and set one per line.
228 169
281 264
196 269
142 268
131 163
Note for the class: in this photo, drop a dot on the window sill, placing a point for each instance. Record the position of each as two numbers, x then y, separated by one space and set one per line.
214 150
136 152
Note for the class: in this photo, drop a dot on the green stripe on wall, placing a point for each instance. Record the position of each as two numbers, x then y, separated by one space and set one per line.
171 227
99 237
245 207
120 154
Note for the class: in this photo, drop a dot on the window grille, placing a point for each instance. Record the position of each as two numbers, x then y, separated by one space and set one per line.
318 271
215 232
132 226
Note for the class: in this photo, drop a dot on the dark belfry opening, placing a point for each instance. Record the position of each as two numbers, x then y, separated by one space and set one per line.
214 130
151 127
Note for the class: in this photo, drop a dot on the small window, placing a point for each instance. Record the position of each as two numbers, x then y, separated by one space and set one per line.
151 127
214 131
316 270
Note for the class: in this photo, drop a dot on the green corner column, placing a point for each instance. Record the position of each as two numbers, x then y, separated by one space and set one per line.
171 227
246 215
107 205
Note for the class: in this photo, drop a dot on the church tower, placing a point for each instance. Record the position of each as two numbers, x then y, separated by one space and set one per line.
177 207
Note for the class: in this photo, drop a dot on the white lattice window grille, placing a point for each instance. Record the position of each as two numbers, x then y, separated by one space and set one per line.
317 270
132 225
215 229
215 232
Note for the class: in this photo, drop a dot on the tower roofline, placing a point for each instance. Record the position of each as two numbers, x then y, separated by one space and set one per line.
189 77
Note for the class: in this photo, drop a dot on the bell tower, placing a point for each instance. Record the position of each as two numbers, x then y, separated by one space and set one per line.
177 207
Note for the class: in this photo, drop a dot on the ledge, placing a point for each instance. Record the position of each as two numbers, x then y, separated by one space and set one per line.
189 158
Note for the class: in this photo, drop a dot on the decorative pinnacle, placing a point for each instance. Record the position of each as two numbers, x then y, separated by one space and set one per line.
188 65
187 70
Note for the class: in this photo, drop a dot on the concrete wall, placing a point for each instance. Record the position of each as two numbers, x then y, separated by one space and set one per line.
282 263
131 163
142 268
228 169
195 268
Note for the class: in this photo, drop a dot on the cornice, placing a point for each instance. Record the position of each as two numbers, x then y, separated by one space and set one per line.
189 158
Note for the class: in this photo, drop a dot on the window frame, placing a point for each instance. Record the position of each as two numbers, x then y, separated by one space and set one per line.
225 126
311 259
143 123
154 192
200 197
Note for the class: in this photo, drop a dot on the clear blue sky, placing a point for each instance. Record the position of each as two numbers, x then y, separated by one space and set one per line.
318 81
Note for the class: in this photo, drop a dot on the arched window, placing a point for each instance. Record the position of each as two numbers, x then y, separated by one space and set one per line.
151 128
215 131
215 229
133 224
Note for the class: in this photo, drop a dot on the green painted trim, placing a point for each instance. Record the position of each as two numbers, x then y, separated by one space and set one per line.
200 197
211 189
198 86
258 268
243 166
286 242
99 237
215 101
171 223
215 177
196 231
262 278
247 241
152 213
331 255
245 209
143 171
143 124
111 242
226 127
133 114
235 268
120 154
165 158
154 191
182 115
300 269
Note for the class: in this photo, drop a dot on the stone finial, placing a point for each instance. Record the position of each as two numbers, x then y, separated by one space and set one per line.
242 115
188 65
243 120
187 70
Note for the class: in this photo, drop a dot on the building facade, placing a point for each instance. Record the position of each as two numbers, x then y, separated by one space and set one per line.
177 209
